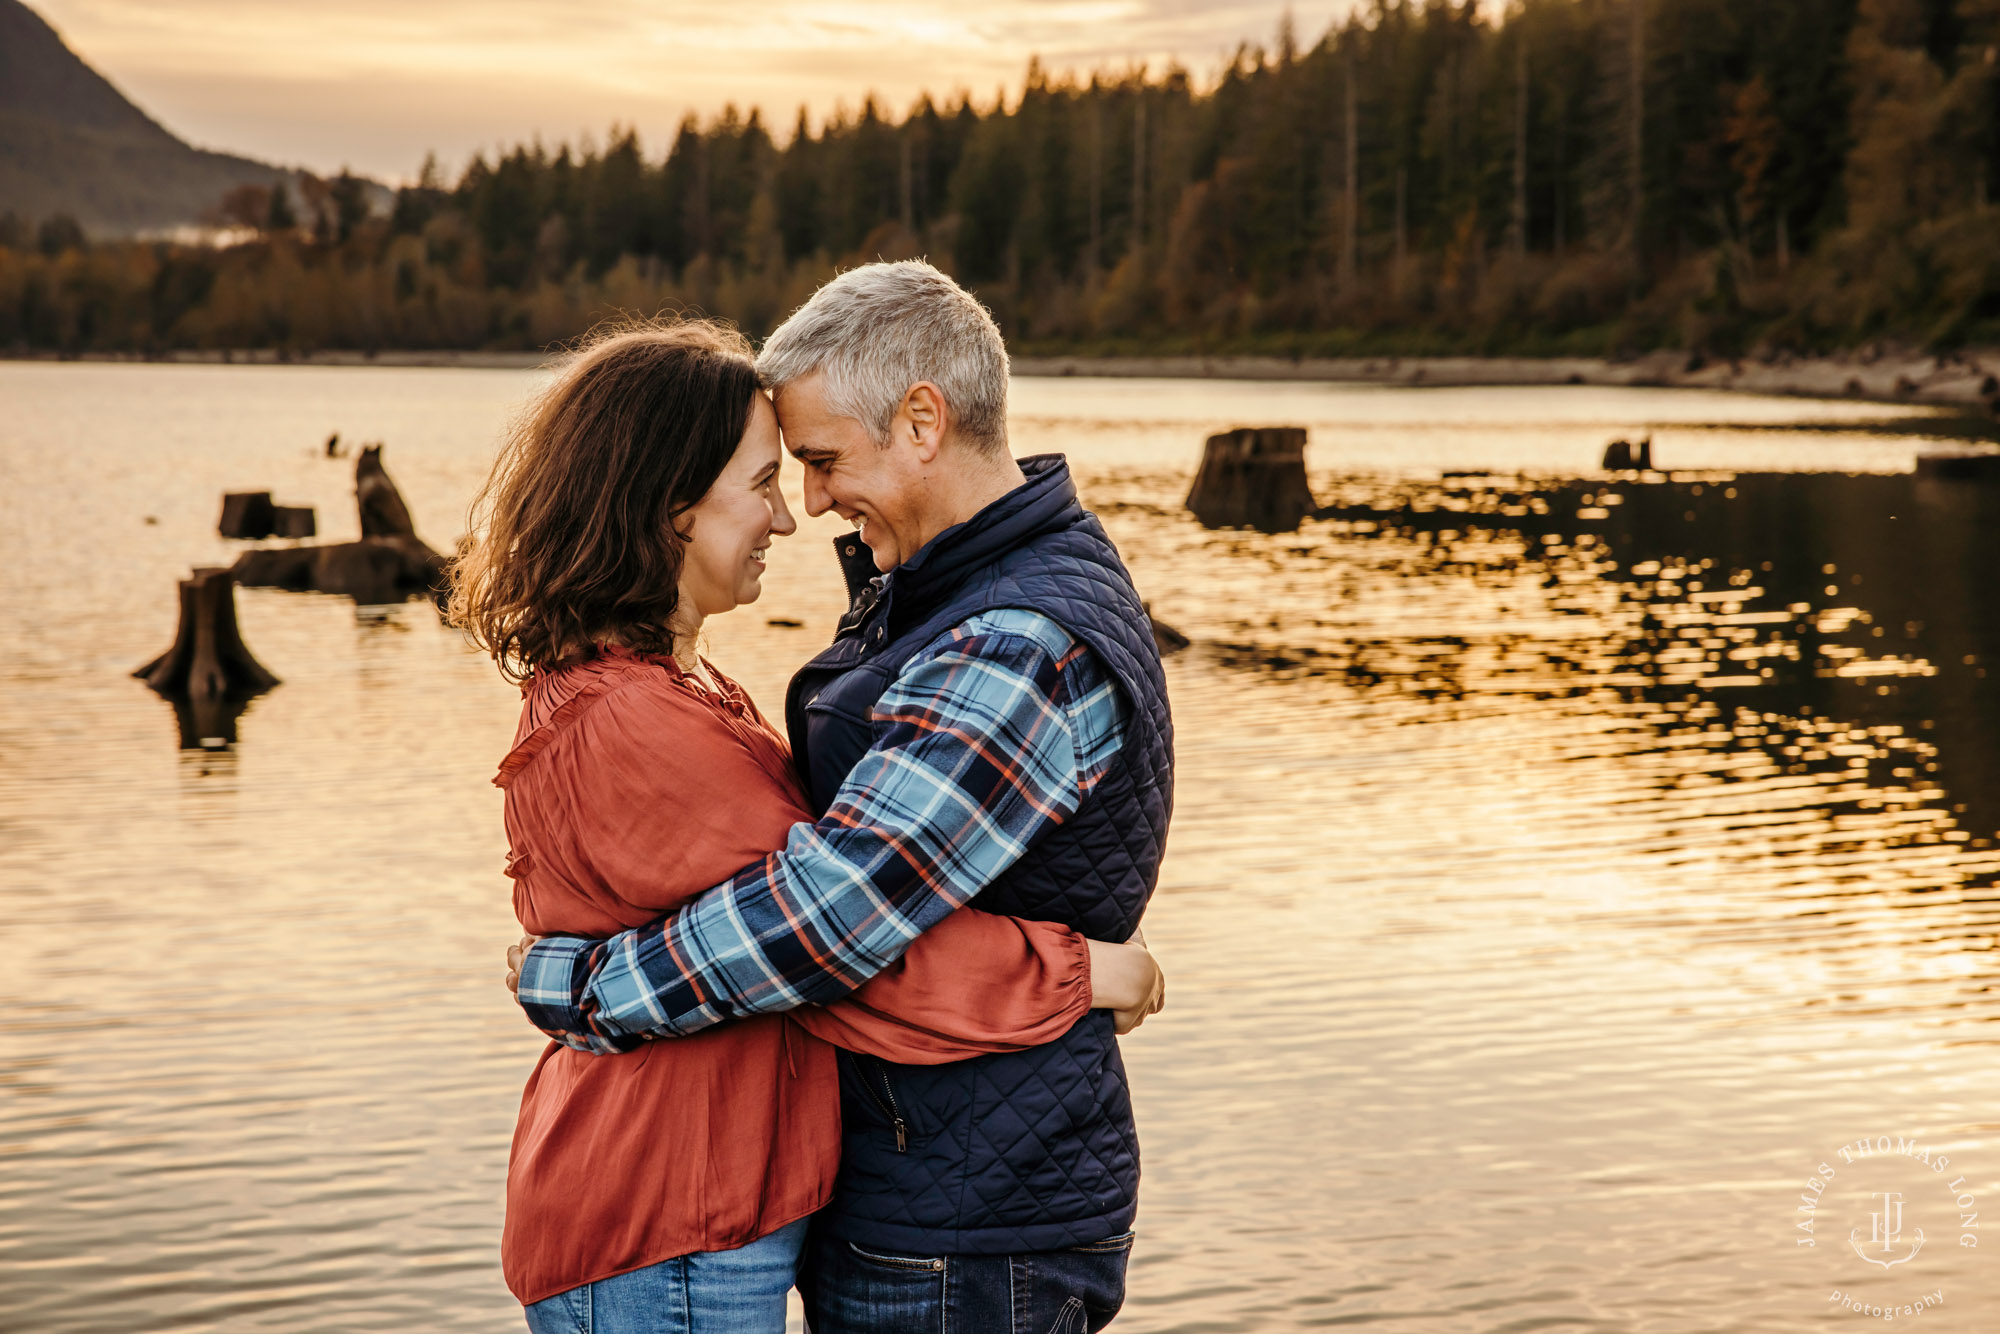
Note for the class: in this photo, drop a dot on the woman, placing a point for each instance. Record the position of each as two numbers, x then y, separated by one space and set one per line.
667 1189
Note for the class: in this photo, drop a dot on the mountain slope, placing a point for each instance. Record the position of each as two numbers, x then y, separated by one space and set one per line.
72 143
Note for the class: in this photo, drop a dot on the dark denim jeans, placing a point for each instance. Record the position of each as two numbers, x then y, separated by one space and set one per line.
851 1289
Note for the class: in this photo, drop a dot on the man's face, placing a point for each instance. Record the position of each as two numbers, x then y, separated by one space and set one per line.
884 487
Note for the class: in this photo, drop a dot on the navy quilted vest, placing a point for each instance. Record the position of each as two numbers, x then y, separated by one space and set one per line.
1023 1151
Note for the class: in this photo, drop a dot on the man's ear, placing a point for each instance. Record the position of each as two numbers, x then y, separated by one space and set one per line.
922 420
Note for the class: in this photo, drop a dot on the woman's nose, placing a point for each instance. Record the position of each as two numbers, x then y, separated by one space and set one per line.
782 522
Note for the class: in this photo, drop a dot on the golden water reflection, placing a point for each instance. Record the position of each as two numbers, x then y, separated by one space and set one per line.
1563 865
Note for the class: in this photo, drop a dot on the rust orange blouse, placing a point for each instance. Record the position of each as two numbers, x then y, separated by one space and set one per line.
631 789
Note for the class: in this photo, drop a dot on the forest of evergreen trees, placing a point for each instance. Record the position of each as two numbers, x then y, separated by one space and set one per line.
1576 176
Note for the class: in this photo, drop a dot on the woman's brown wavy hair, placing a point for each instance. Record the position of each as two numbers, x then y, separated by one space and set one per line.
575 540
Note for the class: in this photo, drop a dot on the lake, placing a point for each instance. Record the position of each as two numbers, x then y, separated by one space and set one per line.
1565 868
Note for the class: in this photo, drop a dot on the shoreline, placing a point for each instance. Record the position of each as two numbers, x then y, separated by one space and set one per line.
1965 380
432 358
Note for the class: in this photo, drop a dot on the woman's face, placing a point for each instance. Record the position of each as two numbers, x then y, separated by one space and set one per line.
730 531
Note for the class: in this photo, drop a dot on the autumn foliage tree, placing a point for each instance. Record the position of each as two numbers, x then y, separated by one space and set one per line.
1429 175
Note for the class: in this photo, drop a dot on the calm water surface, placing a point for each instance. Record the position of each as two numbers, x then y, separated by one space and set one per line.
1563 868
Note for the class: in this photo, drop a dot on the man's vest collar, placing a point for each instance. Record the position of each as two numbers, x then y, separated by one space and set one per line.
1046 500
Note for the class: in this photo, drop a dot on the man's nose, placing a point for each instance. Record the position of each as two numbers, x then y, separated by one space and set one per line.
818 501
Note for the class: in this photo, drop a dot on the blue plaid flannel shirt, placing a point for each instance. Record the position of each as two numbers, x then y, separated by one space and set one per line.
987 737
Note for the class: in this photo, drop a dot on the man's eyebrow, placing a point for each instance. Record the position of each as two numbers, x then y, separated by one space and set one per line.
807 454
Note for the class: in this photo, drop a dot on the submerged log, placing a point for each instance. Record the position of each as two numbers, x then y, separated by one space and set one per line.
372 571
389 564
1253 477
246 514
293 521
209 672
1165 638
275 567
1959 467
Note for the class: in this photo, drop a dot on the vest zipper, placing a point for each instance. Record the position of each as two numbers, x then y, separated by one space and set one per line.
887 1102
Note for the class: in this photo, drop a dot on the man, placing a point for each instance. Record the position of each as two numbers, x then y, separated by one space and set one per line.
990 720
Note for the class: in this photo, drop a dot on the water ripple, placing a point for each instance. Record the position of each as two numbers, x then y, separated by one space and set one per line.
1563 866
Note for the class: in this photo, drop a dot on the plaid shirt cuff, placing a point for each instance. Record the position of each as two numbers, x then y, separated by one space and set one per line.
553 974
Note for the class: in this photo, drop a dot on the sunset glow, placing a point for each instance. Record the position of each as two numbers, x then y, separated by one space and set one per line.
376 84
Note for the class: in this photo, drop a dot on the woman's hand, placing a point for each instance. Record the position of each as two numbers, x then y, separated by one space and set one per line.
515 953
1126 980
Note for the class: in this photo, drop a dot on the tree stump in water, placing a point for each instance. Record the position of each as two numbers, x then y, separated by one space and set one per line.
209 672
383 511
386 522
246 514
1253 477
1624 456
389 563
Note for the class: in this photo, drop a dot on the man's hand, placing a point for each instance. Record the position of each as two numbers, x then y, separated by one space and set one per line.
1126 980
515 953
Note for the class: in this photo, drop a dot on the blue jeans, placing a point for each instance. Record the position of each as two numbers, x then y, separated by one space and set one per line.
851 1289
710 1292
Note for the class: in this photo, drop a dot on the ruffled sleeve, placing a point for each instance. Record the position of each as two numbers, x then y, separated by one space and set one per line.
646 797
971 985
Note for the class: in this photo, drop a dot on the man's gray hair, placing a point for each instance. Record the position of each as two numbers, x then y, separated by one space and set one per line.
876 330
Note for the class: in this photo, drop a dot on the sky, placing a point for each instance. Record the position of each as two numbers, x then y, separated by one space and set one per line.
376 84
